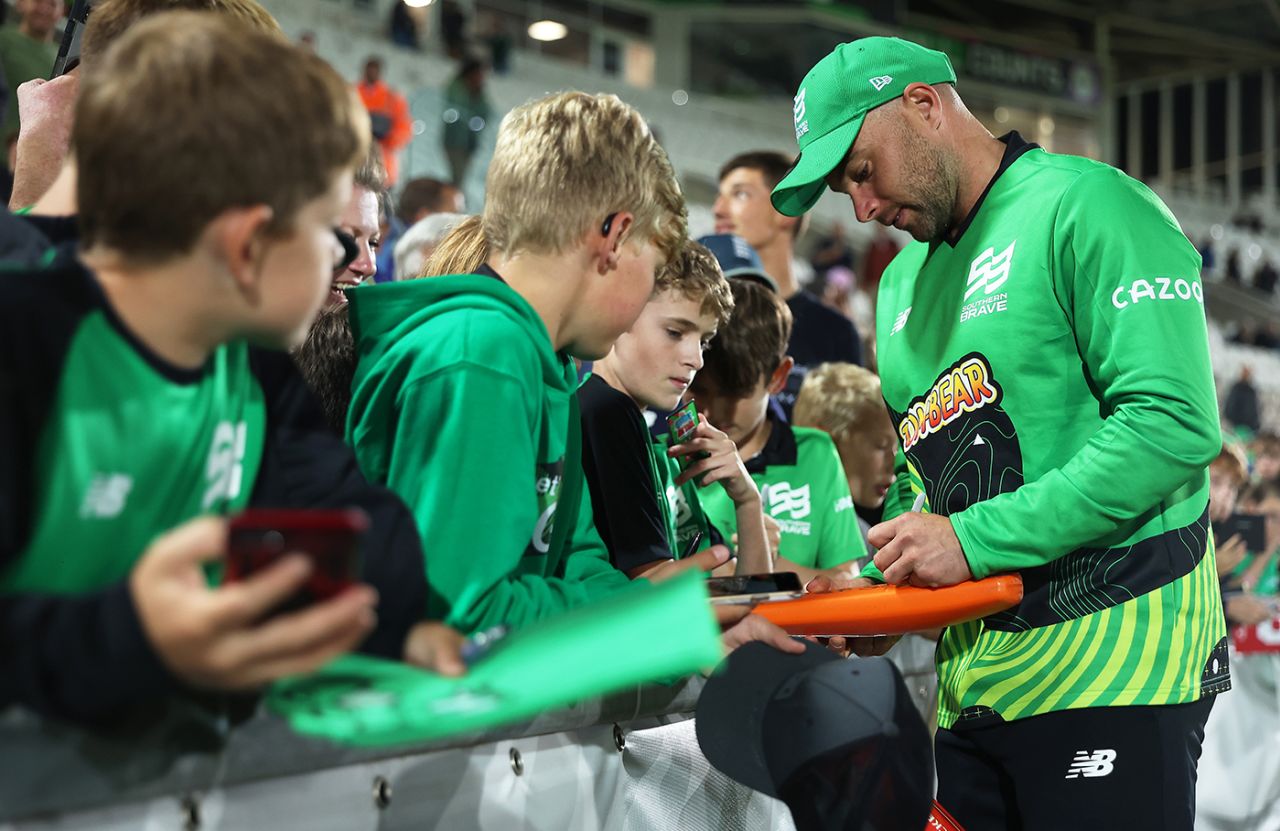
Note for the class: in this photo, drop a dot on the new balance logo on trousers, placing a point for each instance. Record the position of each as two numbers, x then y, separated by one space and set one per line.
1089 765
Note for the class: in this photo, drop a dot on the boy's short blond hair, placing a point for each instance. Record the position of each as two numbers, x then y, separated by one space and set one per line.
695 275
190 114
838 399
112 18
564 163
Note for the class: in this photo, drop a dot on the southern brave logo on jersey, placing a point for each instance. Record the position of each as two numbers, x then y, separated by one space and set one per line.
781 497
1091 765
881 81
964 387
802 126
225 469
900 321
106 496
987 274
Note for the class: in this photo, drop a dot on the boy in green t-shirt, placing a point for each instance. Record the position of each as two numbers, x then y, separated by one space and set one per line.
647 509
464 400
802 484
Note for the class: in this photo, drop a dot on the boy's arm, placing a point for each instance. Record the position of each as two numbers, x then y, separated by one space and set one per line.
465 462
1145 352
710 456
305 464
623 499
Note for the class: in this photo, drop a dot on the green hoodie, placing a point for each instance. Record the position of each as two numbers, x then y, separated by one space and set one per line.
461 405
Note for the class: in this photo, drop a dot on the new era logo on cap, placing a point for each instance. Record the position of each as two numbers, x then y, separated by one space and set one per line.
881 82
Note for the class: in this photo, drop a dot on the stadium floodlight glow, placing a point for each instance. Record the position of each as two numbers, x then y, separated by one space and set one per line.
418 4
548 30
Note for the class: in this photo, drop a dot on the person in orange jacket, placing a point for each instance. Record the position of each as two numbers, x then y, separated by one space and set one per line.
388 115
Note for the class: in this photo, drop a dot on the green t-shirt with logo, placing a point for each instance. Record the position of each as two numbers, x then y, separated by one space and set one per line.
125 446
683 511
803 487
1049 377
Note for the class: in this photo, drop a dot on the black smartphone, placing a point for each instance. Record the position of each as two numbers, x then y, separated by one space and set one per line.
754 588
69 50
1252 528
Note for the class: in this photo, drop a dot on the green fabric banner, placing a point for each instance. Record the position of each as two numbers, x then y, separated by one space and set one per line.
645 633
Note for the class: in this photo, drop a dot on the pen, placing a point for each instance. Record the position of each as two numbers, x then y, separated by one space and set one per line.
692 546
918 504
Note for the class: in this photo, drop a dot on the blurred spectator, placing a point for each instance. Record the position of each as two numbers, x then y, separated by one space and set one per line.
419 242
467 113
388 116
833 250
844 400
1266 457
1268 335
27 51
1208 256
1241 408
453 28
842 292
419 199
1228 473
1233 267
879 254
405 22
423 197
1265 278
497 35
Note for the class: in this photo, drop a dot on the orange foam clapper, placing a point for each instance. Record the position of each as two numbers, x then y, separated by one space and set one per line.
893 610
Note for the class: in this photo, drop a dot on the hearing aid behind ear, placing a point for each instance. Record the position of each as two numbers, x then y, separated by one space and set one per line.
608 225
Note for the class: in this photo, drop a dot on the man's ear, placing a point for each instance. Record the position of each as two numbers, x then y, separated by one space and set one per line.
924 103
606 240
778 379
238 236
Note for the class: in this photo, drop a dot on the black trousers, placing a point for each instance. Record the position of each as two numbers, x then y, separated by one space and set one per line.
1123 768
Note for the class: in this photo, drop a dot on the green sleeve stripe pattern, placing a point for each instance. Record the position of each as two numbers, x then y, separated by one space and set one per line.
1141 652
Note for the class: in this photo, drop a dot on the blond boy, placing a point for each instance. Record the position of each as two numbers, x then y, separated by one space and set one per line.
463 400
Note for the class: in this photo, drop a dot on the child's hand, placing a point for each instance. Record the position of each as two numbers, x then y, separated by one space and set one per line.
1230 554
436 647
722 463
216 637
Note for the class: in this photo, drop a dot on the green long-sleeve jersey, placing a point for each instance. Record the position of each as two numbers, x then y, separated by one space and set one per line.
463 408
1048 373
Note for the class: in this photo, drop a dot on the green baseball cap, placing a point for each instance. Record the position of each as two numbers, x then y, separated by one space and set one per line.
836 96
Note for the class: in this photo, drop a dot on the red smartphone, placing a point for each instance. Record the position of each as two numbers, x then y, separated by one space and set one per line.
329 538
